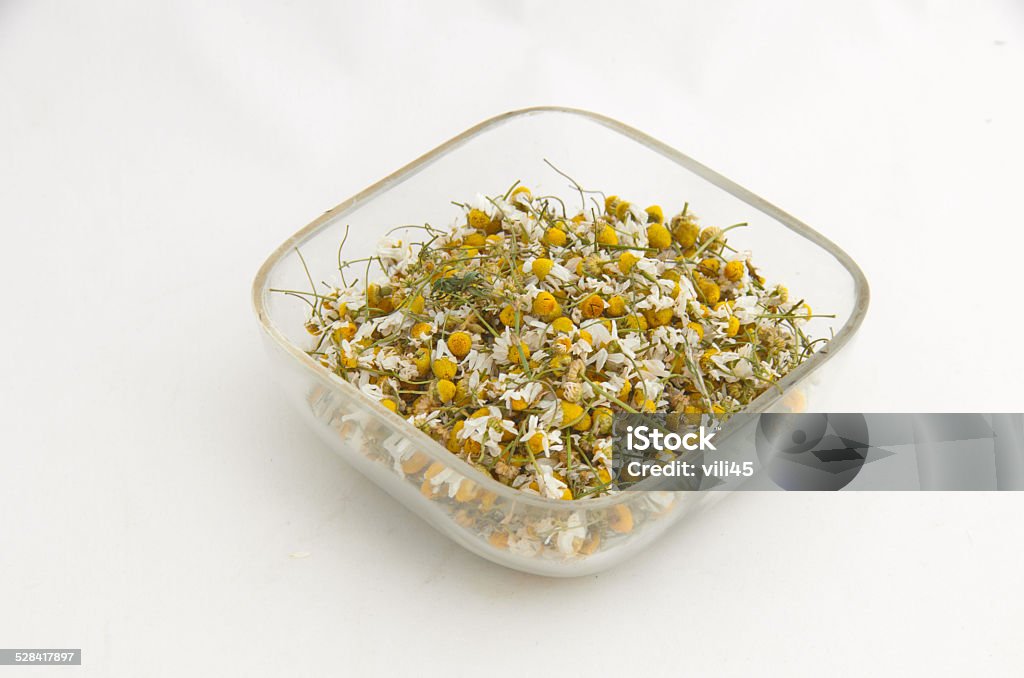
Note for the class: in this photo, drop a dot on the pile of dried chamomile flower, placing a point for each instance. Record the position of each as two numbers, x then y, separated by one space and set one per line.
512 336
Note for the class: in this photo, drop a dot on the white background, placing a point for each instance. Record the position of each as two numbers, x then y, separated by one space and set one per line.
154 487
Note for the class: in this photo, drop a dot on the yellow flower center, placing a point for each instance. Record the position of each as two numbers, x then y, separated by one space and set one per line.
734 271
685 232
545 304
541 267
709 291
459 344
422 361
659 318
513 352
616 306
445 390
621 209
507 316
709 267
555 237
570 412
536 443
610 203
607 236
658 236
346 331
626 261
655 215
563 324
478 219
592 306
443 368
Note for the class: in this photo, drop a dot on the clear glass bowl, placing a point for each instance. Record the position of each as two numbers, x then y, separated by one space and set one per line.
504 525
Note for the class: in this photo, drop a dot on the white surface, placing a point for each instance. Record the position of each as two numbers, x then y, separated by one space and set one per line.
153 487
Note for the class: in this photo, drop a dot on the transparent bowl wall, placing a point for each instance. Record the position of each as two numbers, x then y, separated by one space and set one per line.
525 532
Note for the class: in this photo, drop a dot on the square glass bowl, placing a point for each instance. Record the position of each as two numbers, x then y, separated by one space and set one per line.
511 528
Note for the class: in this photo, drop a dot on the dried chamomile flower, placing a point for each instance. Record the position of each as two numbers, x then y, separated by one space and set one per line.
514 336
